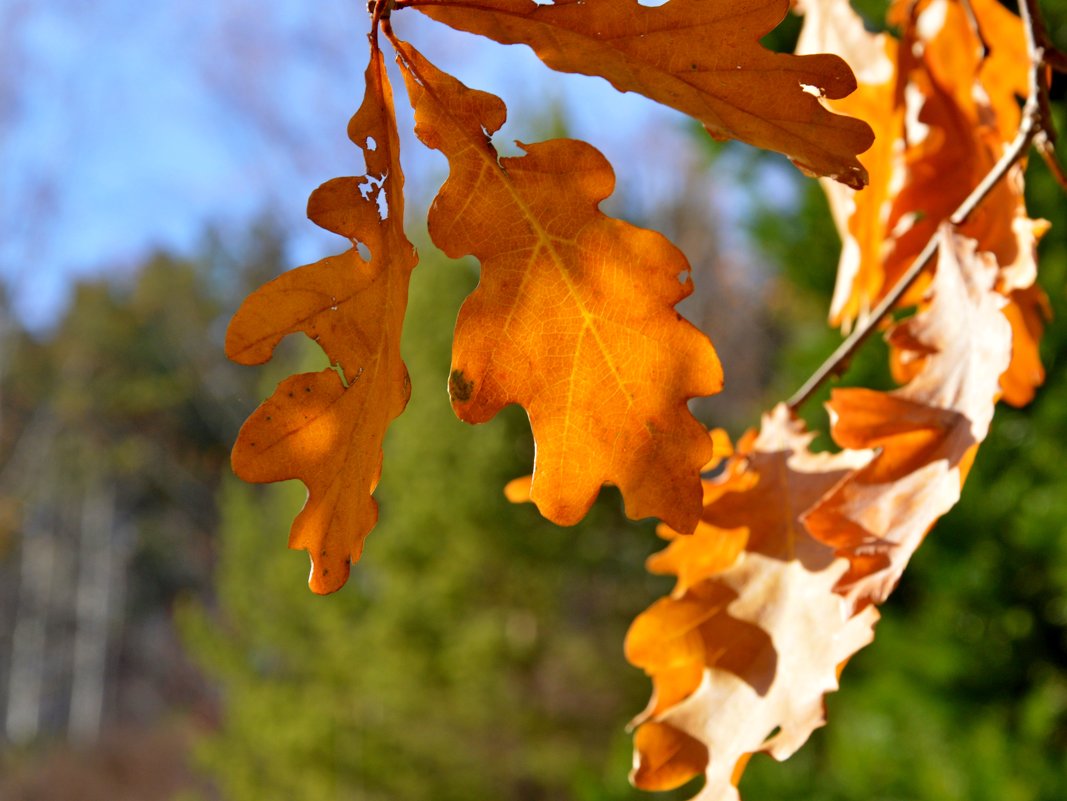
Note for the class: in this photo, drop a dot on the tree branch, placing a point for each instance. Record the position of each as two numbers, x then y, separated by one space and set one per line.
1035 124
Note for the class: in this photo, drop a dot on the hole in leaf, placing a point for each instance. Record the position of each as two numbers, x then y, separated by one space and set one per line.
652 3
364 251
370 144
383 205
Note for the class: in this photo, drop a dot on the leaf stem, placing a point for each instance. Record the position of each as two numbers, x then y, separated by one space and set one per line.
1035 124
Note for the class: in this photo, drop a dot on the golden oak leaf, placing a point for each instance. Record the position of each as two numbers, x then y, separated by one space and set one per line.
701 58
1028 310
677 637
678 757
518 489
926 432
574 316
832 26
326 428
1004 73
741 660
702 554
942 115
974 95
777 589
952 140
1000 60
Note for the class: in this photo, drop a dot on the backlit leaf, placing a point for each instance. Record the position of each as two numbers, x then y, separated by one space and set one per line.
776 590
702 58
741 659
926 432
574 316
943 110
326 428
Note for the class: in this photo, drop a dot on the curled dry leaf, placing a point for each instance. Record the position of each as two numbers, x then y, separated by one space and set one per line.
742 653
861 217
777 586
701 58
326 428
943 110
573 317
926 432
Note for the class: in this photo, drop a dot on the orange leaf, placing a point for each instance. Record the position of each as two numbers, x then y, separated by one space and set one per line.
1028 310
742 652
926 432
669 758
701 58
574 316
832 26
942 115
704 553
752 649
326 428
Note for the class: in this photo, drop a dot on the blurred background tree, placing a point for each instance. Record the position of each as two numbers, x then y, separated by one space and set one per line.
116 431
477 651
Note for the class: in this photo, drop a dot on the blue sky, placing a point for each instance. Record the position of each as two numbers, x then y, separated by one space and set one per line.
128 126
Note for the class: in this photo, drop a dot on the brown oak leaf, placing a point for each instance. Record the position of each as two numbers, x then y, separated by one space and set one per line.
926 433
742 655
573 317
943 104
326 428
699 57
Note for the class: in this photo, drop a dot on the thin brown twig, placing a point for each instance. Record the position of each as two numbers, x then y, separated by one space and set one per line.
1035 123
380 11
1047 152
1038 36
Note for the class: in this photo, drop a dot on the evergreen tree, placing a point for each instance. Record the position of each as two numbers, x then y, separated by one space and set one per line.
963 694
476 650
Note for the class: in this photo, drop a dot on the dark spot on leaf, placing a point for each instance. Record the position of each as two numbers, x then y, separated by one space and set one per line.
322 553
290 394
325 571
677 315
307 389
460 388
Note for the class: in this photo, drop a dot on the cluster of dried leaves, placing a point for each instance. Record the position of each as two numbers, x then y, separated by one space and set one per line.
781 559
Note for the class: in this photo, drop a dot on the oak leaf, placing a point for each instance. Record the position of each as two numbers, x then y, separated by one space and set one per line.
1028 310
741 658
776 589
701 58
326 428
573 317
943 104
926 433
861 218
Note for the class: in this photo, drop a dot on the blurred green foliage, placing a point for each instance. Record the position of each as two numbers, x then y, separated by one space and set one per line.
963 694
476 651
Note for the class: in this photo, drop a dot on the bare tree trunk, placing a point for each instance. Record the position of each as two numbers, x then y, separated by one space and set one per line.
92 613
26 676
